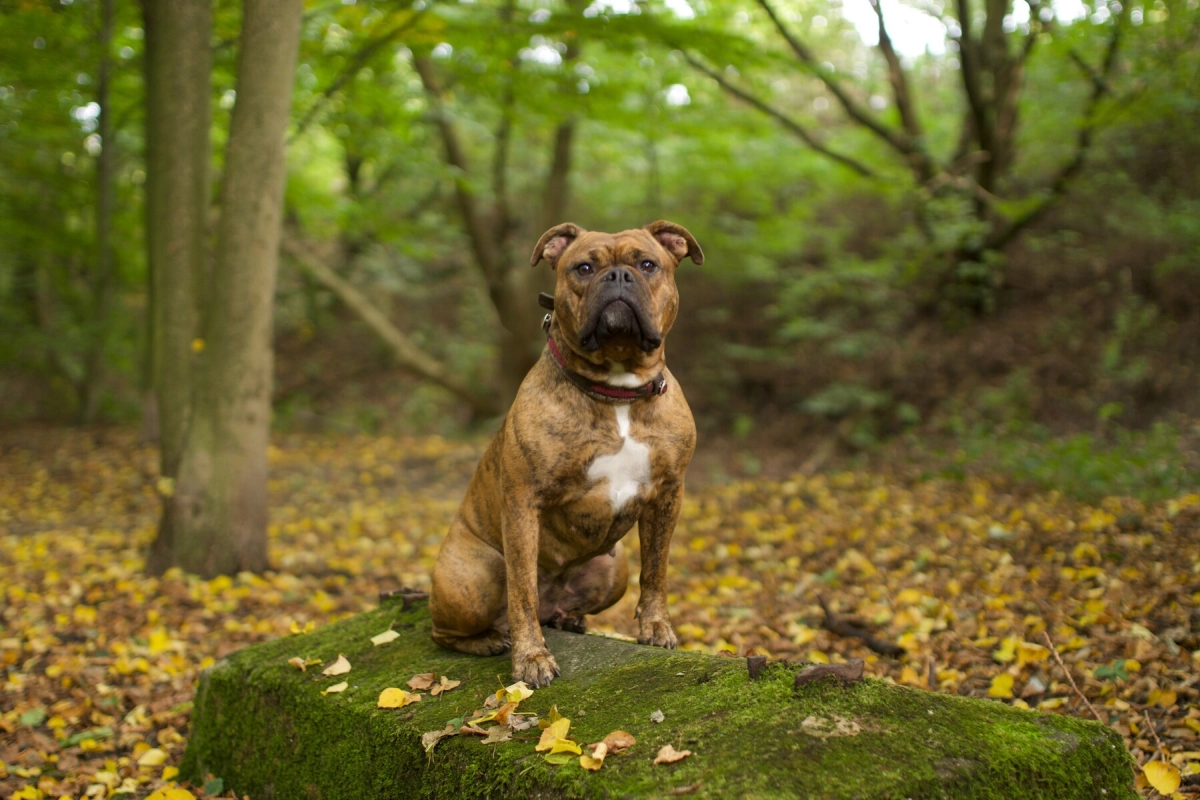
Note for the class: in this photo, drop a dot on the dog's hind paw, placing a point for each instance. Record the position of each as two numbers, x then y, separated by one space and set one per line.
535 667
488 643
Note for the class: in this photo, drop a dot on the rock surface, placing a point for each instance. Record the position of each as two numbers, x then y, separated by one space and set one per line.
264 727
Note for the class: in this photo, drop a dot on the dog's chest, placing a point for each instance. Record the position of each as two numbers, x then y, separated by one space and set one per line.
622 475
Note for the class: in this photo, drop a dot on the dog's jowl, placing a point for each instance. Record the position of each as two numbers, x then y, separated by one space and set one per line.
597 439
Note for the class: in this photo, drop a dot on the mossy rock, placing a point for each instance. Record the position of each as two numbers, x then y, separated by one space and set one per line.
265 729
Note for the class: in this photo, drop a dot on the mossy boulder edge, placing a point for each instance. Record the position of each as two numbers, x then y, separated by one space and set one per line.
265 729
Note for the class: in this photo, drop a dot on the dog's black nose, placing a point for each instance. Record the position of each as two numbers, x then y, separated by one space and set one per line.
619 275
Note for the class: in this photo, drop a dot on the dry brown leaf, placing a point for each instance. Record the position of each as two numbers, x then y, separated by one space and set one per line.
619 740
430 739
473 729
829 727
669 755
298 663
443 685
502 714
499 733
422 681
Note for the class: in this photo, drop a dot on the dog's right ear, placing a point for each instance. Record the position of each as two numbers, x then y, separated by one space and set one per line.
554 242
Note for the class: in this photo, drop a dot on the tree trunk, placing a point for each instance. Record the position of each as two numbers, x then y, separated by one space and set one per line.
178 63
93 362
216 520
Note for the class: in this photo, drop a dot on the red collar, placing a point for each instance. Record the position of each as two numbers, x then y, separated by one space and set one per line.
604 392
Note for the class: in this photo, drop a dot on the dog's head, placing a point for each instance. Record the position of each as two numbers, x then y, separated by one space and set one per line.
614 296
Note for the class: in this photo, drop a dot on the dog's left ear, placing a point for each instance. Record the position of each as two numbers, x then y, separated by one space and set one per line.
554 242
677 240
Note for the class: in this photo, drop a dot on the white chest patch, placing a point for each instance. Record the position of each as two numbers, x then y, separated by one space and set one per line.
626 470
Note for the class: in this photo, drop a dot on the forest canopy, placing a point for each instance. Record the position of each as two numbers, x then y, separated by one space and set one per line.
911 211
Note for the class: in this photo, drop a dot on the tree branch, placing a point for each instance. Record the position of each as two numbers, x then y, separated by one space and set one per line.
792 125
405 352
482 246
898 79
1083 143
357 62
899 142
970 59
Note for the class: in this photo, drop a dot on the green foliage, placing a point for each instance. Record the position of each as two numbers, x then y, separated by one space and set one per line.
1149 465
848 264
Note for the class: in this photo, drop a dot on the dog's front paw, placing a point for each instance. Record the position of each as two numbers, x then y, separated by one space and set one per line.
657 632
535 667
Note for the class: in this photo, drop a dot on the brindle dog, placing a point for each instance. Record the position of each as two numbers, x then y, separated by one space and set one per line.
598 438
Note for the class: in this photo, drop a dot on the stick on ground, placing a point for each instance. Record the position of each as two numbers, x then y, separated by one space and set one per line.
1070 680
844 627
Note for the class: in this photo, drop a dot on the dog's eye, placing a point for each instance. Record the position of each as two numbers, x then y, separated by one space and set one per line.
648 266
585 269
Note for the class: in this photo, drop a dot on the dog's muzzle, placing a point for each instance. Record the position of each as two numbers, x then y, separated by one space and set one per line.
617 314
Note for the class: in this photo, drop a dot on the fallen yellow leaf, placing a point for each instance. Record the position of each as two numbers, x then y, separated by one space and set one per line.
171 792
1162 776
337 687
557 730
298 663
152 758
1001 686
383 638
169 773
339 667
396 698
596 759
517 692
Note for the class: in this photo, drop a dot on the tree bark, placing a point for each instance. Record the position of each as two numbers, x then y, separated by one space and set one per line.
216 520
93 366
178 64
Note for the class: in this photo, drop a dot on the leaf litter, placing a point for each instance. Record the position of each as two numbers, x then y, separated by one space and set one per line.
92 643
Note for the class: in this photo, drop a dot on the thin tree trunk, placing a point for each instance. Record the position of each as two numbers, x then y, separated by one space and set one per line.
217 517
105 192
178 63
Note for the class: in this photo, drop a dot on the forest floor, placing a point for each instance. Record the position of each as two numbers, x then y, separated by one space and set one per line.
968 576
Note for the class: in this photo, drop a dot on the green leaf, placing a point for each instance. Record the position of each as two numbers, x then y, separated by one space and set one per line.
33 717
94 733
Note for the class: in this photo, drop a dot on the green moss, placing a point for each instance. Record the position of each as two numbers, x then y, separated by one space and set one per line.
265 728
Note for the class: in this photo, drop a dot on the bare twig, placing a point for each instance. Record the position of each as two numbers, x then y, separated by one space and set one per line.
792 125
844 627
1070 680
1150 724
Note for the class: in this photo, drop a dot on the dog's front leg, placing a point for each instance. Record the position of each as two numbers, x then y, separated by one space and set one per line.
655 527
531 660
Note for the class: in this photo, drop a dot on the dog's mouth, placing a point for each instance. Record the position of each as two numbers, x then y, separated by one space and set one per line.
619 322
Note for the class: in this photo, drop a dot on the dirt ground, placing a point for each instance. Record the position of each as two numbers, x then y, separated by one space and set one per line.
968 577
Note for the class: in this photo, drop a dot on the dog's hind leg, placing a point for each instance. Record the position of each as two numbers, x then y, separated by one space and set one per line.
469 600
